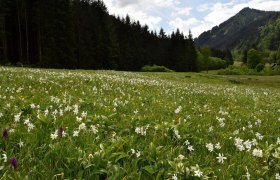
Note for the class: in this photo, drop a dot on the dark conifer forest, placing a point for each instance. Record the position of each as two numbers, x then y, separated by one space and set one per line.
81 34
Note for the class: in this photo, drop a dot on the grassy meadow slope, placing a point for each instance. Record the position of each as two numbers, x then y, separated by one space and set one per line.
121 125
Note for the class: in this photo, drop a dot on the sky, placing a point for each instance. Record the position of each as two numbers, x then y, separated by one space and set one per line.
195 15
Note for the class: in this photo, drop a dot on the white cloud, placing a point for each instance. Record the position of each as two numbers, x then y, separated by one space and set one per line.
182 24
181 12
203 7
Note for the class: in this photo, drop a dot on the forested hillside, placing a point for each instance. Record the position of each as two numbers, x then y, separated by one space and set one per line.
81 34
250 28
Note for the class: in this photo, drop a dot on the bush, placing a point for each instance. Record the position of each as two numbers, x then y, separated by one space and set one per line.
216 63
266 70
19 64
237 70
259 67
253 58
155 68
228 72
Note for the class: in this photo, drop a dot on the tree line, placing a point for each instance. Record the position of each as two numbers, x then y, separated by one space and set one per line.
81 34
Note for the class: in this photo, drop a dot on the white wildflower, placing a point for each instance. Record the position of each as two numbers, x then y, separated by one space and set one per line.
178 110
82 126
30 127
94 129
257 153
84 114
277 176
26 121
176 132
221 158
248 145
218 146
235 132
54 135
210 147
259 136
248 176
198 173
190 148
20 143
79 119
187 142
141 130
254 142
46 112
181 157
32 106
138 153
17 117
132 151
75 133
4 157
174 177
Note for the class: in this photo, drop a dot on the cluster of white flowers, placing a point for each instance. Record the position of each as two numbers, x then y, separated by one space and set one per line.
54 135
135 152
211 146
176 132
30 125
17 117
141 130
241 145
221 120
189 146
94 129
178 110
82 126
259 136
257 153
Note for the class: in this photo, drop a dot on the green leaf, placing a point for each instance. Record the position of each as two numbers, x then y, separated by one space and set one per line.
121 156
151 169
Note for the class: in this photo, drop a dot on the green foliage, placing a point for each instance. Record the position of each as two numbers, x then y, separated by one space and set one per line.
206 62
155 68
244 70
260 67
253 58
235 70
278 56
270 35
216 63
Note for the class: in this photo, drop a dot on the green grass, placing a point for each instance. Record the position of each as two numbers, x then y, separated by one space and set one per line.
138 125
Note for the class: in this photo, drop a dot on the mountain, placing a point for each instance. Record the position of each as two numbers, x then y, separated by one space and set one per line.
249 28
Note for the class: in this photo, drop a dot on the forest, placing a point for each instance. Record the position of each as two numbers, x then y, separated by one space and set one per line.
80 34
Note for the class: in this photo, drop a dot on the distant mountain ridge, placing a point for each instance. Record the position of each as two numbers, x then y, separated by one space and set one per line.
246 29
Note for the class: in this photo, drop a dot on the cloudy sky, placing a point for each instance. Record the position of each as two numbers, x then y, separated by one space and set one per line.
197 15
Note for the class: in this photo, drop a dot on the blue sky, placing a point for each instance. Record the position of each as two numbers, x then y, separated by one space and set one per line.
197 15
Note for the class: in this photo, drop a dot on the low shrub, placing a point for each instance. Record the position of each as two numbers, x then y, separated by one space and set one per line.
259 67
155 68
260 70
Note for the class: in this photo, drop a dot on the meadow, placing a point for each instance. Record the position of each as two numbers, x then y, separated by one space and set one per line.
60 124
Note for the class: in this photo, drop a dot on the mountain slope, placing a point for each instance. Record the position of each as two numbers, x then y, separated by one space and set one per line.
242 31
